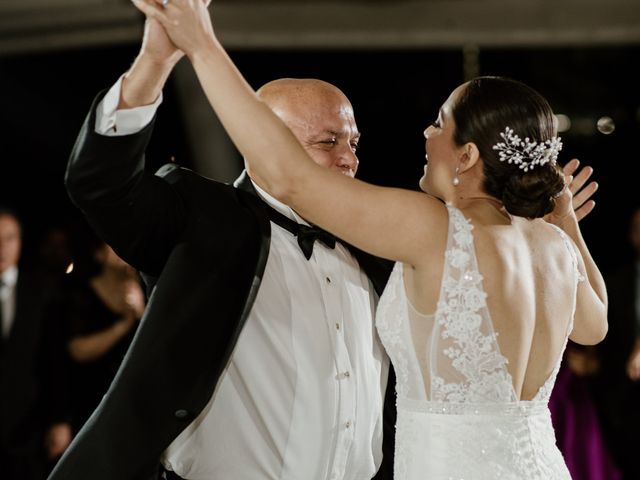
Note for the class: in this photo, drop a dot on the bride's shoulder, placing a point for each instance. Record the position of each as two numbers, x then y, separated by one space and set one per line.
429 210
544 236
541 228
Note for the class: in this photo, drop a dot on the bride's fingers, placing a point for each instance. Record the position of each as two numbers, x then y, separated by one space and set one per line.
585 210
176 3
144 6
585 194
571 166
151 10
581 179
165 3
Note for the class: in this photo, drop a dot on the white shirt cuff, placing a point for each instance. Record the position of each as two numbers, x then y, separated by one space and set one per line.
113 122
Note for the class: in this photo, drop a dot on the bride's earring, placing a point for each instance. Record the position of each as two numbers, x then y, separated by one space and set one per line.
456 180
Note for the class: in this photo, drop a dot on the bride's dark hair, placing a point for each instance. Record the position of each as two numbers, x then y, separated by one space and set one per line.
484 109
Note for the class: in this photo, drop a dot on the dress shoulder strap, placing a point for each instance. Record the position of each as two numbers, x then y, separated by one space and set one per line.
572 251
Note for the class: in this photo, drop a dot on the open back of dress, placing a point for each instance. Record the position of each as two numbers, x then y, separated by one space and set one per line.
458 413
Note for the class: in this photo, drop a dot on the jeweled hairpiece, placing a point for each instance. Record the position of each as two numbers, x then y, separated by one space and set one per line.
526 153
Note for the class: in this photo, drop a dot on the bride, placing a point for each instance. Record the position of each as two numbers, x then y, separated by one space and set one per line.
485 292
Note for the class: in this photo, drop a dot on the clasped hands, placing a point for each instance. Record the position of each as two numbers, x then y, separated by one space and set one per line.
187 23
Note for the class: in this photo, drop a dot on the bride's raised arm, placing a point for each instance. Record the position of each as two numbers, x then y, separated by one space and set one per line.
392 223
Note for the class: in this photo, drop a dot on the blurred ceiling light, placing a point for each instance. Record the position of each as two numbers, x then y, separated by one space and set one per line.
69 268
606 125
564 122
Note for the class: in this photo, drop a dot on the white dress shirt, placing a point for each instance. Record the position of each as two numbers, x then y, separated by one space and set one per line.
302 396
8 280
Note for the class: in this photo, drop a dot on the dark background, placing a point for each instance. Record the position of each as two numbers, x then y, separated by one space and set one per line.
395 94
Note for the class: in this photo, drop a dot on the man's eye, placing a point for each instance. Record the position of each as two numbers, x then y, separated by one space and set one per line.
435 123
354 146
330 141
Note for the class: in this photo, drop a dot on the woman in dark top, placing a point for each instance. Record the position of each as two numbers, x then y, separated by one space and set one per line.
104 305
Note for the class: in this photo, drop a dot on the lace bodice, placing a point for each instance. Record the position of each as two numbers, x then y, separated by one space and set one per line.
450 372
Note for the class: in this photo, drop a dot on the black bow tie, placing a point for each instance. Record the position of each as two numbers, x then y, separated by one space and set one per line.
305 234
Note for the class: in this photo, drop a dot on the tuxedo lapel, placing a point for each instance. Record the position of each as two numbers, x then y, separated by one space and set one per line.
377 269
249 198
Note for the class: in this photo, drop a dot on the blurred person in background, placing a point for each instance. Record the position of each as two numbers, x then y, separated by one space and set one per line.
33 426
54 254
618 391
104 301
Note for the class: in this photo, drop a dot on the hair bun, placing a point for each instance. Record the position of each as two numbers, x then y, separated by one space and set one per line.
533 194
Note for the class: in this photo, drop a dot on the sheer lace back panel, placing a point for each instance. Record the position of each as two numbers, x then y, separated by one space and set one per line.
458 413
452 356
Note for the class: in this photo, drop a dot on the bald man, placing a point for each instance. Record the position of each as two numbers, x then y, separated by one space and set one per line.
257 357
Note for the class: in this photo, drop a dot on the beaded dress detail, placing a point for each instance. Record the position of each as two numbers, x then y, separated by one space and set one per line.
458 414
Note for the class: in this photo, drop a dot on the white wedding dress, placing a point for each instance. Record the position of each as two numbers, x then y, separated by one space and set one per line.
458 414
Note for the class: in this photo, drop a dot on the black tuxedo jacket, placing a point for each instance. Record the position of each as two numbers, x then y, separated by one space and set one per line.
202 247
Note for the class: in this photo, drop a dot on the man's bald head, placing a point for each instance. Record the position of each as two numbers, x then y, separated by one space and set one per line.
299 95
321 118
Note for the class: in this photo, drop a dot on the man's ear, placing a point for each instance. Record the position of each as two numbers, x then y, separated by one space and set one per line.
469 156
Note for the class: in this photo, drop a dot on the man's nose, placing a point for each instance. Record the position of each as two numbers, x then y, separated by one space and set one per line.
348 159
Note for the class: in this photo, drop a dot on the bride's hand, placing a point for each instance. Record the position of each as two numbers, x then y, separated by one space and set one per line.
187 22
581 191
575 199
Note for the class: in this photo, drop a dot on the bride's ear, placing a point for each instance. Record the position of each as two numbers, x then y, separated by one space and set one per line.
469 156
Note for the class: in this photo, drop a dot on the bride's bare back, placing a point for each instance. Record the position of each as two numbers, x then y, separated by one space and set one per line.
529 276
